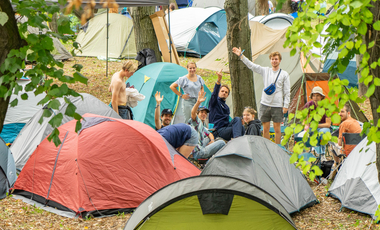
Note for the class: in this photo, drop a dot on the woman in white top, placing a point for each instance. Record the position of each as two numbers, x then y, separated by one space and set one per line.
191 84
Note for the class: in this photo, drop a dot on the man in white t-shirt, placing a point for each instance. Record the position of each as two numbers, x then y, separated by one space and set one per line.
274 106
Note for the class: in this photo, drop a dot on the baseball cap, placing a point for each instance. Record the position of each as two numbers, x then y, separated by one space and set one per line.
201 107
167 111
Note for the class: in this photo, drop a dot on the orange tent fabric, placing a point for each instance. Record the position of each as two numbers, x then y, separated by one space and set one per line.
111 164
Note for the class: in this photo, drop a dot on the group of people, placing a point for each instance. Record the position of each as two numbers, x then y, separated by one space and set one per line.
194 139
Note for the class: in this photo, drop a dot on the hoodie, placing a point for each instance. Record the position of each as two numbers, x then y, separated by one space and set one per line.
253 128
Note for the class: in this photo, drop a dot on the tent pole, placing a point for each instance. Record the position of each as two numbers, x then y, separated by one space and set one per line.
170 39
107 43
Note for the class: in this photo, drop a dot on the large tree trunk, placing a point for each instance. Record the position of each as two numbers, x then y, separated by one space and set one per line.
373 35
239 35
261 7
145 36
9 39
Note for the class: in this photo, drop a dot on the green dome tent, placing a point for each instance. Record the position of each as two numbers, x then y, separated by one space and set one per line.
210 202
158 77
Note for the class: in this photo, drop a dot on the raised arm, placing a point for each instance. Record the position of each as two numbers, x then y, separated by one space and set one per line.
252 66
159 99
201 98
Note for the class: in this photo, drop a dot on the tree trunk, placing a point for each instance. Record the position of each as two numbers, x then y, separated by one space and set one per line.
362 87
9 39
53 24
239 35
261 7
286 9
373 35
145 37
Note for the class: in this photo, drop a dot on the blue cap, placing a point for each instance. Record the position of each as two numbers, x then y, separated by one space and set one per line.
201 107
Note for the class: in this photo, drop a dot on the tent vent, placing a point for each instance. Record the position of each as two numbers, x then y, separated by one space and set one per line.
215 203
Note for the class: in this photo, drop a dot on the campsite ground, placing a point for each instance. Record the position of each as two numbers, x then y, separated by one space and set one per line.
15 214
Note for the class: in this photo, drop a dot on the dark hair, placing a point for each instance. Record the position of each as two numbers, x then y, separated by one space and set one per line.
347 107
226 86
172 6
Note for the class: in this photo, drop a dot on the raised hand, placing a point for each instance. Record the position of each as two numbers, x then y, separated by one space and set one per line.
236 51
219 75
201 96
158 97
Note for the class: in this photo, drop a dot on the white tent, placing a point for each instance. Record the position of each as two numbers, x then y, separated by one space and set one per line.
356 184
220 4
276 21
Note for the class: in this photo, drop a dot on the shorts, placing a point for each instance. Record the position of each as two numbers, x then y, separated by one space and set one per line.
267 113
193 140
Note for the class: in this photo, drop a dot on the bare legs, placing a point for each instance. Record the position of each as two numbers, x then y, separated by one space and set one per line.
277 131
186 150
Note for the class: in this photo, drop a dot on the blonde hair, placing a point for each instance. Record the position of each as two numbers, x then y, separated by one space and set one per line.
273 54
250 110
128 65
191 62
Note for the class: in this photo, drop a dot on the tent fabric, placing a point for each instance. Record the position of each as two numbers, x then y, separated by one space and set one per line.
263 163
8 174
33 132
108 167
200 201
161 75
349 73
197 30
276 21
356 185
220 4
121 37
16 117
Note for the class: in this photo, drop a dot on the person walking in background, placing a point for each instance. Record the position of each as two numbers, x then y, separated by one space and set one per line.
272 106
191 84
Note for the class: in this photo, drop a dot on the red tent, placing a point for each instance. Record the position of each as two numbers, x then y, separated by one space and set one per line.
110 166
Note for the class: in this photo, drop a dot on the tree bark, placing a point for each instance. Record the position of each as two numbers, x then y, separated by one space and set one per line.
286 9
261 7
373 35
145 37
362 87
9 39
239 35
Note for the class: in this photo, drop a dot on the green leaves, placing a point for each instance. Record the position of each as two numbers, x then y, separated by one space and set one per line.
335 118
376 25
3 18
79 77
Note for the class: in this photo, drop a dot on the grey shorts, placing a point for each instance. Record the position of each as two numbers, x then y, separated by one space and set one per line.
193 140
267 113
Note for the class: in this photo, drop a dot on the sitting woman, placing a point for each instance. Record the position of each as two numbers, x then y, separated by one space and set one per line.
252 126
324 125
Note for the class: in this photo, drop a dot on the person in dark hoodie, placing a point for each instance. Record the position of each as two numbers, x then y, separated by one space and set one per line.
220 113
252 126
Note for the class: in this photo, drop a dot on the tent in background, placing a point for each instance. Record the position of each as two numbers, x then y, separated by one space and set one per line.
182 3
276 21
33 132
357 185
213 203
265 164
197 31
101 169
92 38
7 169
161 75
220 4
18 116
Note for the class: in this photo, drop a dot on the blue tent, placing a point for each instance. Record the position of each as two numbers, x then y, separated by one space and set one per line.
348 74
161 75
7 169
182 3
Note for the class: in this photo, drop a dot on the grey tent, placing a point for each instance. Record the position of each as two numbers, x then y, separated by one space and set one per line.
33 133
7 169
356 184
210 202
266 165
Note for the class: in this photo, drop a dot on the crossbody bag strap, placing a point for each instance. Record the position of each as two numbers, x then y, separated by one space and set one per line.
277 76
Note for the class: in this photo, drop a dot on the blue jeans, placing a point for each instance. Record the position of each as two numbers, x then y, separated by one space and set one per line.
234 129
209 150
187 106
322 148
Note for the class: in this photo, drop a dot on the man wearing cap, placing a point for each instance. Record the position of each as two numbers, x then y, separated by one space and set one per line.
275 105
118 86
220 113
207 146
324 125
166 114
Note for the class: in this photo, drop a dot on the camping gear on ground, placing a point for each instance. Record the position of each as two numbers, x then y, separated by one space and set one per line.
145 57
33 132
109 166
210 202
196 31
16 117
272 87
158 77
7 169
356 185
93 41
263 163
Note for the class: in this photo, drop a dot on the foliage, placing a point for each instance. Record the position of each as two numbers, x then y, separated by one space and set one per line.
46 70
348 24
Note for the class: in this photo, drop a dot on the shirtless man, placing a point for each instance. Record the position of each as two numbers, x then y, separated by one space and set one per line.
117 87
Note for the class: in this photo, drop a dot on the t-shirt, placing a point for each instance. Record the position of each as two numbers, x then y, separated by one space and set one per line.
201 130
176 134
219 110
309 104
190 87
350 125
